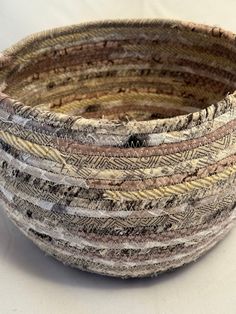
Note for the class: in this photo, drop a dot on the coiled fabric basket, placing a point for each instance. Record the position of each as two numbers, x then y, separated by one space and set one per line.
118 142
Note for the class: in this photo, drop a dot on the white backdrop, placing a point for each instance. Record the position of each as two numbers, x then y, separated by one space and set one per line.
32 283
19 18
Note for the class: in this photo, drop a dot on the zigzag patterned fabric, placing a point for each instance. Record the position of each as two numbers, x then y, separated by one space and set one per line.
118 142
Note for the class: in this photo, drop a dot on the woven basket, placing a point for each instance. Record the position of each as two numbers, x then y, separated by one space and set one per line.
118 142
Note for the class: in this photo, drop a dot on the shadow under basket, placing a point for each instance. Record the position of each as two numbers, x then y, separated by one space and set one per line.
118 142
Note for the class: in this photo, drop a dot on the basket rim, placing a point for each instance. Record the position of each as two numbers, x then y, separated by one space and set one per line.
7 55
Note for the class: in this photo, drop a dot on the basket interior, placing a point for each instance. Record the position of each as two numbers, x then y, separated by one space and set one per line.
123 72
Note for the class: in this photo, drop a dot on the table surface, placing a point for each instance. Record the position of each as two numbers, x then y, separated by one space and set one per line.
33 283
